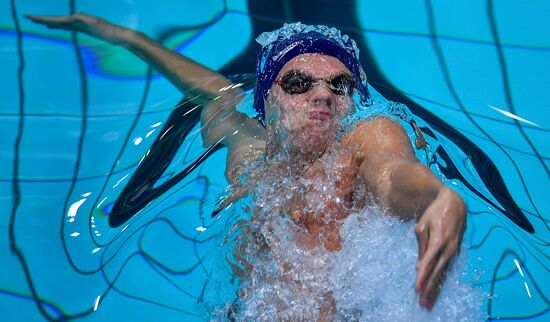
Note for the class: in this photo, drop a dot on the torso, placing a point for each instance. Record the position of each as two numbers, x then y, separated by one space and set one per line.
331 185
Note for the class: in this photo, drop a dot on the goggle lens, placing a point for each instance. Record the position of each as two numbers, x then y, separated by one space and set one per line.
297 83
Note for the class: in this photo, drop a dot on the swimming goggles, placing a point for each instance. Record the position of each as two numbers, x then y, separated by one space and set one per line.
297 83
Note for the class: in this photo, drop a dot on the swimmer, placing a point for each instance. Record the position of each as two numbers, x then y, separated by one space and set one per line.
306 78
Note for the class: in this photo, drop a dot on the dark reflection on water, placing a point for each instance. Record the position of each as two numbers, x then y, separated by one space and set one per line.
149 248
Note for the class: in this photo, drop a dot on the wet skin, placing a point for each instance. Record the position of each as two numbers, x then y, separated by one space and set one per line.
381 154
306 124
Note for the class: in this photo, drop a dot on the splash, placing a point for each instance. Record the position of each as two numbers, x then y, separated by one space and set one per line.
374 278
284 275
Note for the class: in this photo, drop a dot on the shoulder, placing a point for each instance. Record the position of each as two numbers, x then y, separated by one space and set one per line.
379 135
380 129
379 125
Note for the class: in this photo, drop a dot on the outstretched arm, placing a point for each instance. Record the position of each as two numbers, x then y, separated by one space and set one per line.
411 190
202 85
220 122
187 75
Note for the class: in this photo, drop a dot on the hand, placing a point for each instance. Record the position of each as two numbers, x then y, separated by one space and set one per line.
439 232
93 26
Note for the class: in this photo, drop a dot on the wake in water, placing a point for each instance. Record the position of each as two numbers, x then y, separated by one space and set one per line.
370 279
373 278
368 276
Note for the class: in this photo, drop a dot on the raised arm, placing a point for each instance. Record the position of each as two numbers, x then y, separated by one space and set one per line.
187 75
220 122
411 190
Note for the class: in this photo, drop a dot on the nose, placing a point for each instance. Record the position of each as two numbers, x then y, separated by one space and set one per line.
321 95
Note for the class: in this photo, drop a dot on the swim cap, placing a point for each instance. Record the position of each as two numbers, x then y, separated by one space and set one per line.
283 44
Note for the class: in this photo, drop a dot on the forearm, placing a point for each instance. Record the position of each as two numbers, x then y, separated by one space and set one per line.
404 186
186 74
412 188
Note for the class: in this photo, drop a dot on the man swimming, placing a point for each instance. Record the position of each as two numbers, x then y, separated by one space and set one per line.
306 79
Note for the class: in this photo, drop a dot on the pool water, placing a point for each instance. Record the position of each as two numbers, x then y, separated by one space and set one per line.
79 116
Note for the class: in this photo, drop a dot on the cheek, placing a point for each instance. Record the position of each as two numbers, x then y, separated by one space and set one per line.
286 110
294 108
344 106
296 118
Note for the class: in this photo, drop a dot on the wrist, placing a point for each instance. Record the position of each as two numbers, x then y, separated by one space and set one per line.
454 200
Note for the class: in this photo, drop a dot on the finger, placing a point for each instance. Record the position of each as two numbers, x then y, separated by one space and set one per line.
426 265
422 236
429 301
434 282
428 297
54 20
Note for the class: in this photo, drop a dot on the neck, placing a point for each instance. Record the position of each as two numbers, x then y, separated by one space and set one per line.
295 159
282 150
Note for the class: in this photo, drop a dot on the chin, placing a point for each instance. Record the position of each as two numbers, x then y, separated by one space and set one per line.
314 144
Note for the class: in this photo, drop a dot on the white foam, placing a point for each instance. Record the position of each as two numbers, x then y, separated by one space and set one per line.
370 279
375 275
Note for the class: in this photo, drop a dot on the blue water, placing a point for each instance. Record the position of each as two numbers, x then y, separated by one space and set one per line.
73 133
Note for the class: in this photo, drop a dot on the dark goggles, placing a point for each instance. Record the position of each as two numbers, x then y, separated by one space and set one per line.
298 83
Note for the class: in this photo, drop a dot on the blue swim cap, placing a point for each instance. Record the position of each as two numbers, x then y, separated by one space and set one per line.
281 45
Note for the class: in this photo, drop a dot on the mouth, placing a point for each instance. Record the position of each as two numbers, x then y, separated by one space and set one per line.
320 115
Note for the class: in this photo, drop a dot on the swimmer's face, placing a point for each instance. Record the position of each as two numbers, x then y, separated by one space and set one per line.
310 119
